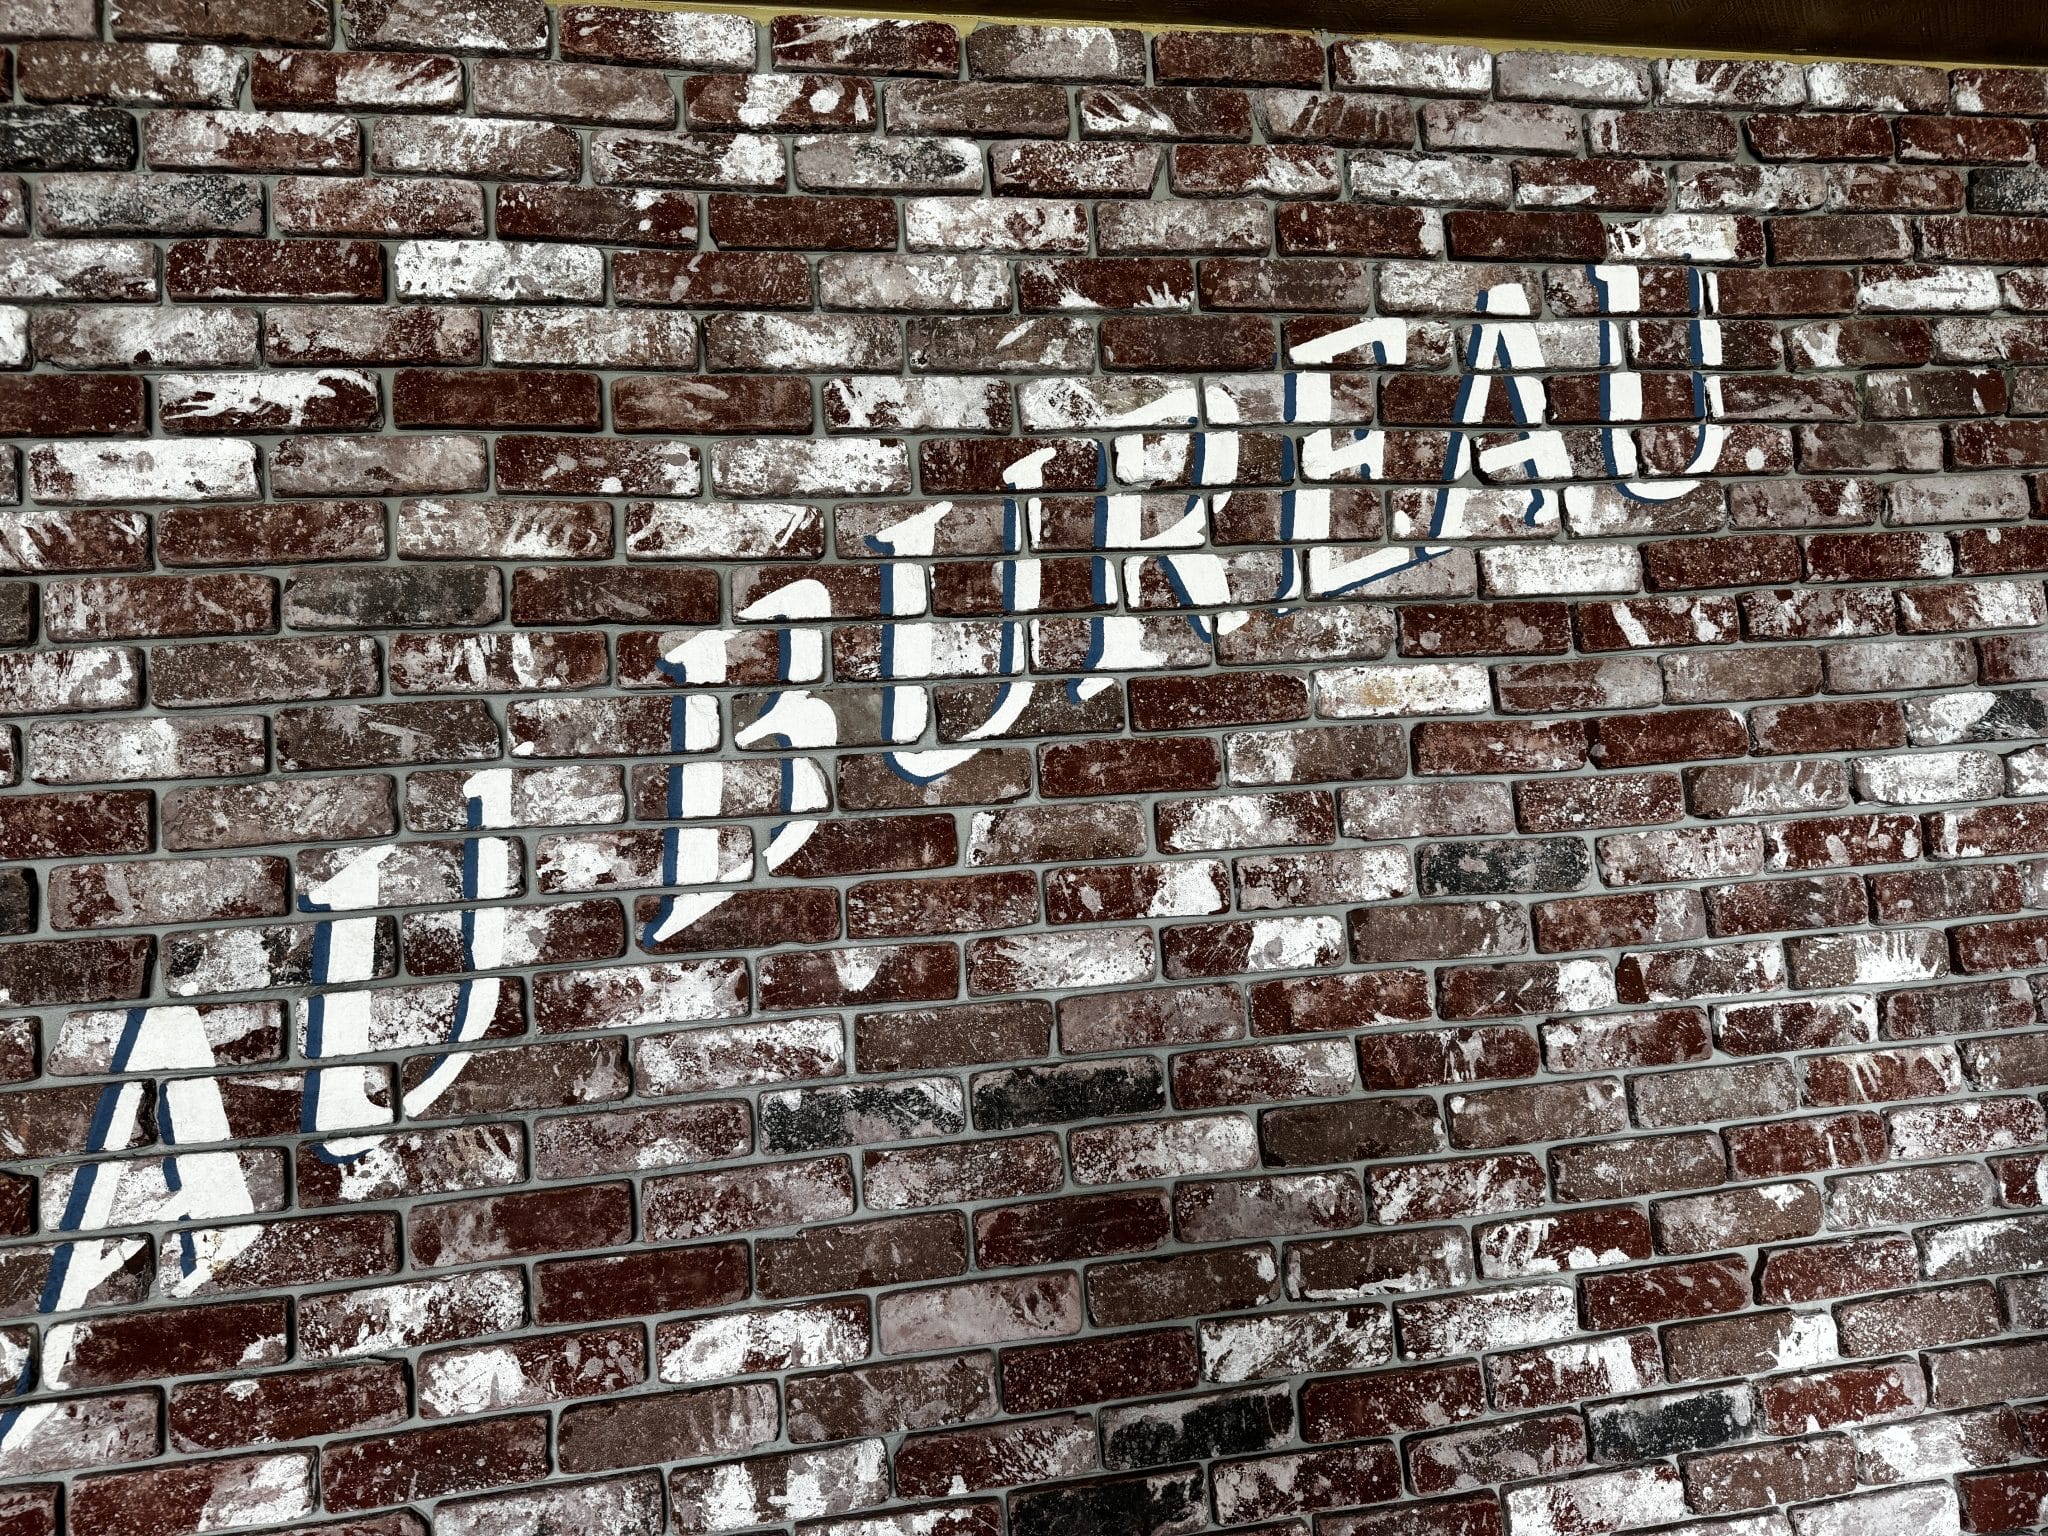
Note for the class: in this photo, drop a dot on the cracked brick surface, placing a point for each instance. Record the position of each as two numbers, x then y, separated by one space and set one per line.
886 779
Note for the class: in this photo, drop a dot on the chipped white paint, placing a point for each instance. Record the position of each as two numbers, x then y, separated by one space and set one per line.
593 338
401 1316
845 466
1681 237
260 1490
1597 1502
1535 572
98 473
201 397
786 1338
1397 689
1236 1349
930 404
1158 1149
497 271
952 284
1953 290
764 99
1928 1509
1061 961
980 224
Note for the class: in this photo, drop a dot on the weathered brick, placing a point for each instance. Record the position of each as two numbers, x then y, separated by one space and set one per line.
1787 681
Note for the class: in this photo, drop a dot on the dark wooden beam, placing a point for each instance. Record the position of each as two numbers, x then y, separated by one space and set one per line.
1988 32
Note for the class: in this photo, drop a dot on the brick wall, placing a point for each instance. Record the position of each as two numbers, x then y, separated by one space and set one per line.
1064 782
